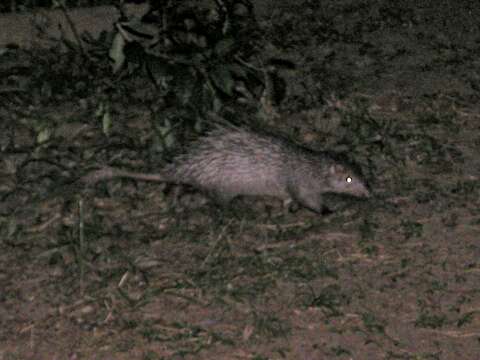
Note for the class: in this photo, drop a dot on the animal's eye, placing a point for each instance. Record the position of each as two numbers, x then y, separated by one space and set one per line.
348 179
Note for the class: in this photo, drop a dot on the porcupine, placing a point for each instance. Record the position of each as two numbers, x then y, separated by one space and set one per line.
230 161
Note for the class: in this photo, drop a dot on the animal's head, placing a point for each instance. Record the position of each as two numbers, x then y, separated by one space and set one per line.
343 179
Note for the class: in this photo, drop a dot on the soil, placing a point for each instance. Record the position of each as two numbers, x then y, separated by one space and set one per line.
117 272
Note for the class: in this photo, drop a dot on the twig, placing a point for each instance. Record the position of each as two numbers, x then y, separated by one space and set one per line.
81 236
63 9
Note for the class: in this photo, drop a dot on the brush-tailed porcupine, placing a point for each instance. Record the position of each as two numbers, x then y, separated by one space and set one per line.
230 161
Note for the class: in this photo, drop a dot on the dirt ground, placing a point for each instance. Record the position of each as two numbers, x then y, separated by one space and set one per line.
114 272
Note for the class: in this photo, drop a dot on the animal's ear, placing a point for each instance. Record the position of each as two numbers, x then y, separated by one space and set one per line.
336 169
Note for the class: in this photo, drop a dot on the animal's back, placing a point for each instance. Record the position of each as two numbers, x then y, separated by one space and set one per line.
231 161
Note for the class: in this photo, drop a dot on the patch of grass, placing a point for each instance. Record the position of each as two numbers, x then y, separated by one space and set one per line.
221 272
425 197
465 187
270 325
404 263
150 355
247 276
371 250
250 289
466 319
188 339
372 323
339 351
330 300
125 345
432 321
129 324
260 357
304 268
423 356
11 356
437 286
367 230
411 229
150 333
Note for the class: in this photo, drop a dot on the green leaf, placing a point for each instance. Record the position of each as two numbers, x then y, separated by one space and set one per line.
106 122
223 79
167 134
44 135
116 52
238 70
224 46
159 68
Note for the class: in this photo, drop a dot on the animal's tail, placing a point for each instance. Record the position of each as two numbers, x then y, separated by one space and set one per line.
108 173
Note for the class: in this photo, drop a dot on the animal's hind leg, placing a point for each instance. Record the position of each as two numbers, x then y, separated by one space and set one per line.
220 198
